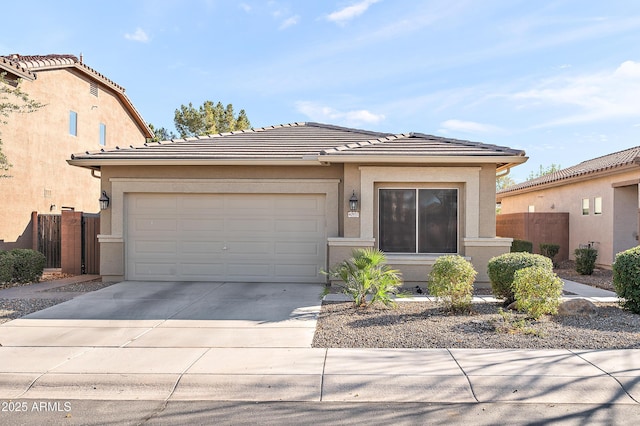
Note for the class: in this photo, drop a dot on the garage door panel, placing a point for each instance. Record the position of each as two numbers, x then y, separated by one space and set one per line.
201 247
231 237
195 270
141 247
296 270
248 271
311 225
156 225
296 248
155 270
202 225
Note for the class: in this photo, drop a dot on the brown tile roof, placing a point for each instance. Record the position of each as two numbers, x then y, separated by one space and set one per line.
301 141
32 64
15 68
605 163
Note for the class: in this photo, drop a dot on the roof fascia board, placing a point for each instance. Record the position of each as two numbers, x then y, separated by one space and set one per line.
513 160
92 164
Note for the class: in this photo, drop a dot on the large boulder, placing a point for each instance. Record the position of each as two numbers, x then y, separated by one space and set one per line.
577 307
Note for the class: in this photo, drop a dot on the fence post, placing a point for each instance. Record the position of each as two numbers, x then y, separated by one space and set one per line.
71 230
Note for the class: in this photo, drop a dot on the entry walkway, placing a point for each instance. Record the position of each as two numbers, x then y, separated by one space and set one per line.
252 342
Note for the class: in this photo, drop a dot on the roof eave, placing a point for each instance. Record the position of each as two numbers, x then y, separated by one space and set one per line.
98 164
569 180
505 162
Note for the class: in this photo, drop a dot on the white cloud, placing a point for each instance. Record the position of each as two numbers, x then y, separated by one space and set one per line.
138 35
467 127
588 97
348 13
293 20
245 7
327 114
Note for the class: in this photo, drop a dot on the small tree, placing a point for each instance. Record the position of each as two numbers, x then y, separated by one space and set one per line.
208 119
12 101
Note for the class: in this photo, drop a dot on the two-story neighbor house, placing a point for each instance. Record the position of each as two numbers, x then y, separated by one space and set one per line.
83 111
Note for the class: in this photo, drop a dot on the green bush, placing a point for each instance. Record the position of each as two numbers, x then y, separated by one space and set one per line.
626 278
521 246
28 265
451 279
549 250
501 269
6 267
537 291
586 260
366 274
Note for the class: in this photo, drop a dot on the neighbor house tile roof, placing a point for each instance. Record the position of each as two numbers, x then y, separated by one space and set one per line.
606 163
302 141
32 64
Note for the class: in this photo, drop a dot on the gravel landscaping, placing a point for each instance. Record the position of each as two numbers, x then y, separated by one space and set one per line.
426 325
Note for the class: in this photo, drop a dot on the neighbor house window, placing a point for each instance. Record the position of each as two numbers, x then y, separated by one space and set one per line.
418 220
597 205
93 89
532 209
103 134
73 123
585 206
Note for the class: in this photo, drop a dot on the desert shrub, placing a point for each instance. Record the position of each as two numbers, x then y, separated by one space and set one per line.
451 279
537 291
626 279
586 260
6 267
549 250
366 274
28 265
518 246
501 269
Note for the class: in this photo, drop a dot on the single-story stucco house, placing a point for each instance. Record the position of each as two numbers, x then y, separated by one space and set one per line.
600 196
284 203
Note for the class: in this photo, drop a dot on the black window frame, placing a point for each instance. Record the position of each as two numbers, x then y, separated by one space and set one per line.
430 205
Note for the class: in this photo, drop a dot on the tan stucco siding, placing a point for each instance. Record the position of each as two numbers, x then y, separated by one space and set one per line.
568 198
38 145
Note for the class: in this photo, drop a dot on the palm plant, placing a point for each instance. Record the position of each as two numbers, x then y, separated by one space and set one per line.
366 274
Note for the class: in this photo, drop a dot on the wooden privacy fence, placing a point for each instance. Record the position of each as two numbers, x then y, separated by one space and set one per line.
49 238
68 241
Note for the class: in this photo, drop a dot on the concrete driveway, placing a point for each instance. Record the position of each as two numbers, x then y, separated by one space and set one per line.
174 314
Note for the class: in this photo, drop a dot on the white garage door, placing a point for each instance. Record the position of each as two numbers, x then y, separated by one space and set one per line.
226 237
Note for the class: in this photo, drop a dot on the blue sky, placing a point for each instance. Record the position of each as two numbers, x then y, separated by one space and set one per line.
559 79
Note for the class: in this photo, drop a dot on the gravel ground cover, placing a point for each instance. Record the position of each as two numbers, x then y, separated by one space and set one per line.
426 325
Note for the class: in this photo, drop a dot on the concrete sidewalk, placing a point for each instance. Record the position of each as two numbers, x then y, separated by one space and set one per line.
252 342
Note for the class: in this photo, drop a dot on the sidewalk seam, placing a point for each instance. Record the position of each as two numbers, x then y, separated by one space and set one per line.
324 366
608 374
465 375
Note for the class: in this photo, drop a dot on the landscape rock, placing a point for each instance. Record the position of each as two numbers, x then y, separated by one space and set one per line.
577 307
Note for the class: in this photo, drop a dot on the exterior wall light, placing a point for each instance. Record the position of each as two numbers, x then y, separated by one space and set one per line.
104 201
353 202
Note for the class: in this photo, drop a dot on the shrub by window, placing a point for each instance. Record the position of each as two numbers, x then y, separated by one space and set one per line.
521 246
451 280
502 268
418 220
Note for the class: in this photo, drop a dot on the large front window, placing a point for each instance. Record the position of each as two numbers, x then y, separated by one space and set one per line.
418 220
